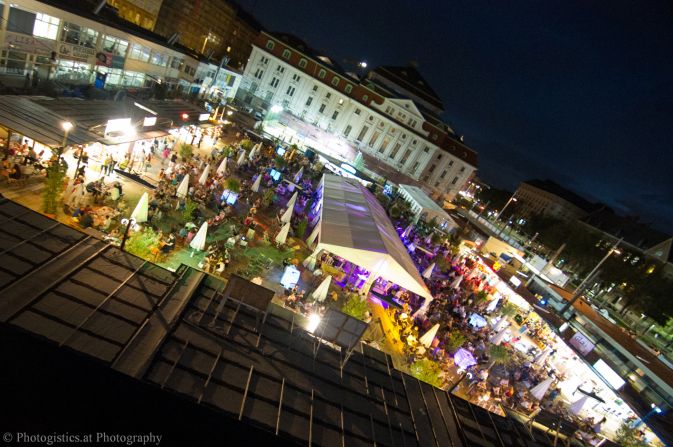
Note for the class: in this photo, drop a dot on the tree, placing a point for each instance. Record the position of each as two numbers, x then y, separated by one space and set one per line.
508 310
301 228
233 184
454 341
53 188
267 198
499 355
355 307
427 371
187 213
186 151
628 436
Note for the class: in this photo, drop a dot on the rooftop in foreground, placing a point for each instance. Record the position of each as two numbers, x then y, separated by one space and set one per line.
91 326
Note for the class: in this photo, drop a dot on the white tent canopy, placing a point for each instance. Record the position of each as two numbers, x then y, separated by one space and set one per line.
355 227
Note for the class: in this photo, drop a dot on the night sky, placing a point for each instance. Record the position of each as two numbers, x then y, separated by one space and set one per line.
578 92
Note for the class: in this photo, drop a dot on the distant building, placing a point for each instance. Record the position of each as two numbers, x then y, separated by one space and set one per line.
546 198
390 117
214 27
141 12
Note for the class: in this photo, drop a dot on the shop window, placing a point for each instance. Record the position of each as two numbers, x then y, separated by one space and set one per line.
177 62
139 53
160 59
115 45
79 35
20 21
133 79
46 26
73 71
14 61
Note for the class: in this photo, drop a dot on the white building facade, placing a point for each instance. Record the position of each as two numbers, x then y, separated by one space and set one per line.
392 132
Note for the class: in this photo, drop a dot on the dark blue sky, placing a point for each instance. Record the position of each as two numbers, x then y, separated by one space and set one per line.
579 92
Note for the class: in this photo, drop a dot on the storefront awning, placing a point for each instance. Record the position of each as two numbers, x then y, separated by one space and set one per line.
20 114
354 226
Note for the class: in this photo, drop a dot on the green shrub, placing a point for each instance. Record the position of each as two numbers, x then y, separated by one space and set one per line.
190 206
454 341
355 307
301 228
246 144
141 243
233 184
53 188
186 151
428 371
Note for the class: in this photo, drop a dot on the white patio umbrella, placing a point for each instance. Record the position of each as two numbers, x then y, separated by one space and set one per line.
281 237
320 293
140 211
539 390
456 282
204 175
241 158
313 236
298 175
407 230
541 357
254 151
499 337
310 261
222 168
427 273
258 182
199 241
502 322
183 187
287 215
292 201
577 406
427 338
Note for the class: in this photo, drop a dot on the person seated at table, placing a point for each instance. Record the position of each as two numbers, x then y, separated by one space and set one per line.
168 243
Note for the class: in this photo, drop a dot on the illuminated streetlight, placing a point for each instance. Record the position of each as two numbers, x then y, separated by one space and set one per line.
276 108
511 199
185 116
363 64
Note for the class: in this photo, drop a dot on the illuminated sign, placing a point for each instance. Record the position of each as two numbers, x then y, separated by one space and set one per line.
610 376
581 343
348 168
204 116
150 121
496 266
117 125
516 281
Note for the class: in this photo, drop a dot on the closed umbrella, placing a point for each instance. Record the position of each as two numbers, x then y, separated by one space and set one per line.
502 322
499 337
298 175
241 158
287 215
407 231
292 201
204 175
427 338
258 181
313 236
456 282
282 234
199 240
254 150
320 293
140 211
427 273
541 357
222 168
183 187
539 390
577 406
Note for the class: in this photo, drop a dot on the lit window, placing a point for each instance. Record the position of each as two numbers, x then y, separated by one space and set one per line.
341 101
79 35
139 53
46 26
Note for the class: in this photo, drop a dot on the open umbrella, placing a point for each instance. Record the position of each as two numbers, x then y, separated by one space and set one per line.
241 158
426 339
287 215
204 175
282 234
427 273
577 406
539 390
298 175
199 240
183 187
292 201
407 230
140 211
258 181
222 168
320 293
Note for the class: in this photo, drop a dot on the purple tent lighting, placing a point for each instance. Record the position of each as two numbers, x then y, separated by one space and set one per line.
464 359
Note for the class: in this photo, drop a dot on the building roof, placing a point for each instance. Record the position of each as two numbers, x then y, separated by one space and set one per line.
556 189
409 78
630 228
354 226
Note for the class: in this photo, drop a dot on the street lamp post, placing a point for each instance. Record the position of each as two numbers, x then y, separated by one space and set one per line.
511 199
129 223
66 125
575 296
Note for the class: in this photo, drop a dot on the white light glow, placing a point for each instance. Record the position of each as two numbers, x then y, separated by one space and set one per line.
313 322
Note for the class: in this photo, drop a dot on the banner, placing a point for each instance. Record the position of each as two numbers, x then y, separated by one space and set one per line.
76 52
